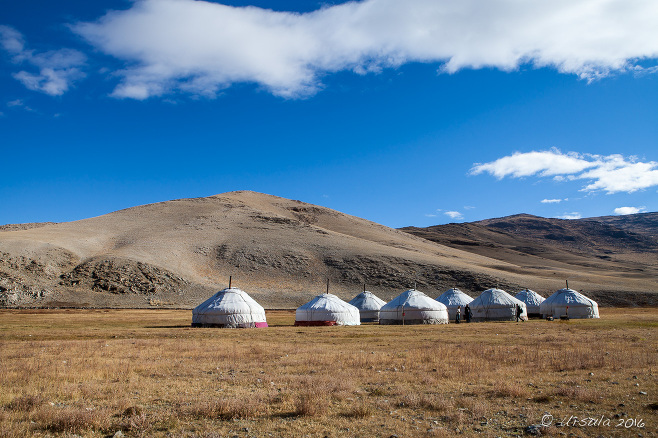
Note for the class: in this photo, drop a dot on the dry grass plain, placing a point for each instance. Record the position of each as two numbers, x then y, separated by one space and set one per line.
147 373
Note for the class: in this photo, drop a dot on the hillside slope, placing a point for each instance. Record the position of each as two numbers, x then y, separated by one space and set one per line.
641 223
281 251
594 245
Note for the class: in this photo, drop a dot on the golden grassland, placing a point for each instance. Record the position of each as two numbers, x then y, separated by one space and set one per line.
148 373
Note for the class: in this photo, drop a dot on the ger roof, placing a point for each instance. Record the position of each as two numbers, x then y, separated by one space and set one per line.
454 297
530 297
414 299
366 300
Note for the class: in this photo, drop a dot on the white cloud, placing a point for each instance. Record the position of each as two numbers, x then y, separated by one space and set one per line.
454 215
201 47
12 41
468 207
573 215
542 163
629 210
551 201
19 103
57 69
611 173
617 174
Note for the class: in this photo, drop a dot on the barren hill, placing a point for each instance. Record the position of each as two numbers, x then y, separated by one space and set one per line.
640 223
279 250
624 247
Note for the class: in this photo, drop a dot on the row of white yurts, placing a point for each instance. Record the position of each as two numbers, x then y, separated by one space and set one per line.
496 304
232 307
410 307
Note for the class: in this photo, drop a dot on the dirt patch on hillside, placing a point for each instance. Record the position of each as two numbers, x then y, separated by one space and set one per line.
121 276
17 227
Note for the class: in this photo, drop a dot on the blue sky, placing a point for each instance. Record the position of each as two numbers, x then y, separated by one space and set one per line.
404 113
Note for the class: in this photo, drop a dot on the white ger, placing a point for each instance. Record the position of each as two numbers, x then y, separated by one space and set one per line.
569 303
453 299
497 305
368 305
327 309
229 308
532 301
413 307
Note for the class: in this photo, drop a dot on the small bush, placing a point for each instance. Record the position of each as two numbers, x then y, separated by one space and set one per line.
229 409
26 403
226 408
542 399
475 407
432 402
131 411
140 424
376 391
435 402
360 410
577 393
507 390
311 404
71 419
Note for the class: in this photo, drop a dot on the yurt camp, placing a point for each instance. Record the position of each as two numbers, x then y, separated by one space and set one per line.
229 308
497 305
453 300
327 309
368 305
532 301
567 303
413 307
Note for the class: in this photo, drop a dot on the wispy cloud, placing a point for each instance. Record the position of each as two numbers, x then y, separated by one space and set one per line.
454 215
56 71
12 42
609 173
18 103
551 201
201 47
572 215
629 210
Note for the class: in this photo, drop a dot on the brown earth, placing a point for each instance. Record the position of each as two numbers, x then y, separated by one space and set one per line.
281 251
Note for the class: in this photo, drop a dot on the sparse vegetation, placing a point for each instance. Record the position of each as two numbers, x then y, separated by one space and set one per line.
147 373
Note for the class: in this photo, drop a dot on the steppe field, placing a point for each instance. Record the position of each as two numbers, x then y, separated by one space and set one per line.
96 373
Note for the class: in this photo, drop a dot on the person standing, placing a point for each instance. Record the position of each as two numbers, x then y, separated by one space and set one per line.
458 314
467 313
519 311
